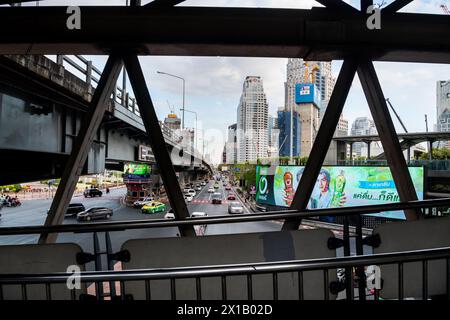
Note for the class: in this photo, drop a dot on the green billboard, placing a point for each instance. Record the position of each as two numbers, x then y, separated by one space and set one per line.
335 186
139 169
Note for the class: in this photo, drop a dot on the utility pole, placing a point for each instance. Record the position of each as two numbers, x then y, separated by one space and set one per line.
291 137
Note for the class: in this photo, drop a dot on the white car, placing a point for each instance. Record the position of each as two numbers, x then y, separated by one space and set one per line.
169 216
198 214
235 207
186 190
142 201
192 192
211 190
203 183
199 188
188 197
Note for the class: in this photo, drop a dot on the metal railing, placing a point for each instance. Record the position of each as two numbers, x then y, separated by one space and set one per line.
274 268
91 75
439 165
248 270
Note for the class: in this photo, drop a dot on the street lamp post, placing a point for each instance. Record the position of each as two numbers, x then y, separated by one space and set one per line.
184 92
196 134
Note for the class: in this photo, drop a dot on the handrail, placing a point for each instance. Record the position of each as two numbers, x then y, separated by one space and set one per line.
273 215
233 269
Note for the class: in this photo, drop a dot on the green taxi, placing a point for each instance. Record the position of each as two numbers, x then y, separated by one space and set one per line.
153 207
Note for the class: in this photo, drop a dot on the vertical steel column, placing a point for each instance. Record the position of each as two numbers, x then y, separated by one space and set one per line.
162 157
360 251
365 4
368 149
124 87
322 141
351 153
82 145
348 270
409 152
386 130
430 148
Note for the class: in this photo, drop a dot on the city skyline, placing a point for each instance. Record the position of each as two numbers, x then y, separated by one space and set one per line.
213 84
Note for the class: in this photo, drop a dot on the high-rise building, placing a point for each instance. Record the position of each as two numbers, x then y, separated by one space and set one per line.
309 125
295 75
311 72
231 152
362 126
342 127
324 80
284 140
188 138
172 121
273 136
316 72
443 109
224 154
443 105
252 121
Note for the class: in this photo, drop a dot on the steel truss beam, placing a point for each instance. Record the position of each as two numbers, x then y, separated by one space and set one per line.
337 5
365 4
82 145
320 34
157 142
322 141
388 136
396 5
163 3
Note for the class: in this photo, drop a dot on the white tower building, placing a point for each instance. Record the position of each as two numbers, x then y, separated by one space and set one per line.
252 121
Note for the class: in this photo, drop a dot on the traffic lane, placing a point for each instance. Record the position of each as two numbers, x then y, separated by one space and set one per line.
124 213
204 204
34 212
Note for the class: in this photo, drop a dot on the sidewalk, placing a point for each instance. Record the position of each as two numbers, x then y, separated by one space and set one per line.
26 195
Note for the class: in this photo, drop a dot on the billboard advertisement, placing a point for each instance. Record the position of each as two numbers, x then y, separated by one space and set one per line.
307 93
336 187
136 171
145 153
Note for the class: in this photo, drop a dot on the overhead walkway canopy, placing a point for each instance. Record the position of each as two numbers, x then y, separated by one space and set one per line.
412 138
407 140
332 33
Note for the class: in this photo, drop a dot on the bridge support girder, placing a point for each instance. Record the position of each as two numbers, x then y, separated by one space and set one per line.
82 145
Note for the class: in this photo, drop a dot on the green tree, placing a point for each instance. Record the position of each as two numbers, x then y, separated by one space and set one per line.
250 177
438 154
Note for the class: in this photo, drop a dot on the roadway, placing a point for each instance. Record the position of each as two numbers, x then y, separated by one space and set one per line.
33 212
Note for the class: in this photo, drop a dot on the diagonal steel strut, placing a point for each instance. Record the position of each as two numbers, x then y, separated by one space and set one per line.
82 145
157 142
388 136
322 141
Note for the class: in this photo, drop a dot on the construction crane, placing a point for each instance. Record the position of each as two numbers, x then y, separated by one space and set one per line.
445 9
399 120
170 107
309 74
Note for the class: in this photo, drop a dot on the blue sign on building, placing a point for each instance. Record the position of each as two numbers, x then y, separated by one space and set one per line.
284 125
307 93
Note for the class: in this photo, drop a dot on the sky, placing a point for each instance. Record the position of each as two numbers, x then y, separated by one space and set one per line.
214 84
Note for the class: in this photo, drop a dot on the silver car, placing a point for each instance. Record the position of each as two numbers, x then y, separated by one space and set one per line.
235 207
95 213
